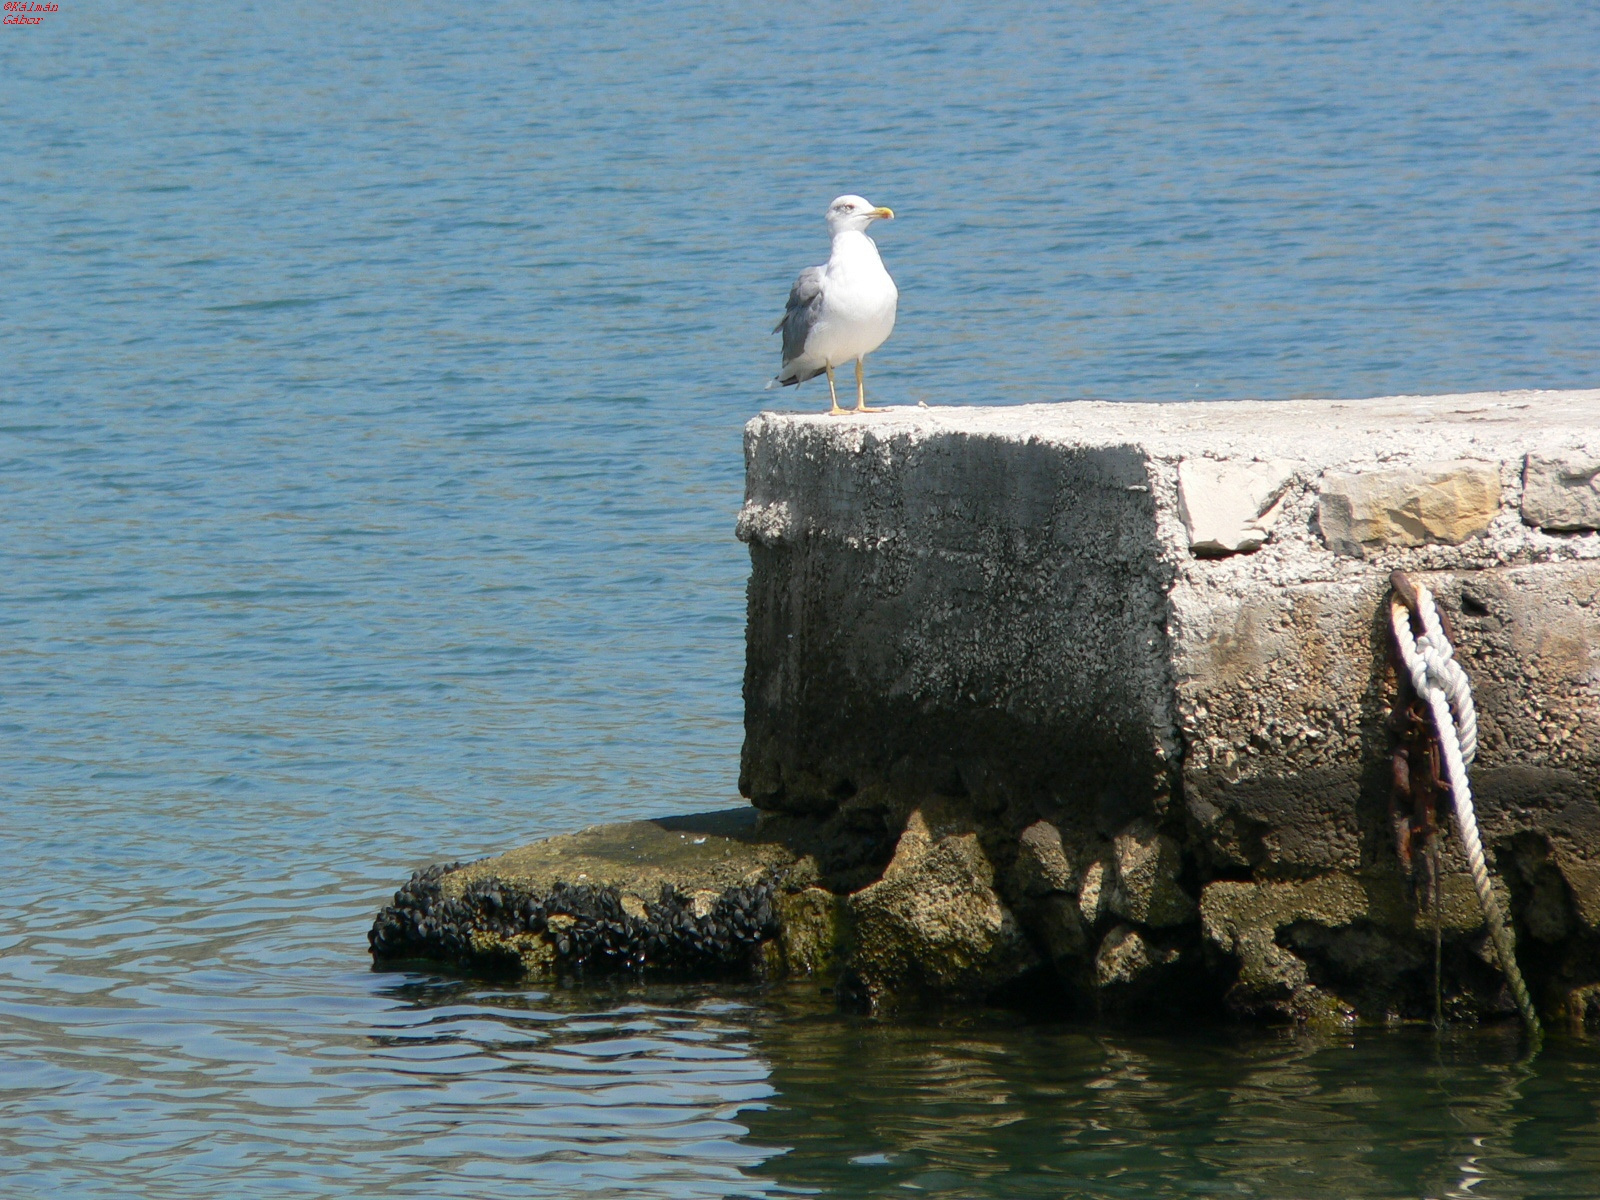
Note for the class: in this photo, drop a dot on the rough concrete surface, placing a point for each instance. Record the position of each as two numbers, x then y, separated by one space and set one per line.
1087 706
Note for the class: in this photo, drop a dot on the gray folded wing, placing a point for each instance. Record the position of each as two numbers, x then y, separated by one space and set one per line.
800 314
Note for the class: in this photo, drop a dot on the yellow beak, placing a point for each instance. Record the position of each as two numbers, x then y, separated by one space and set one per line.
883 214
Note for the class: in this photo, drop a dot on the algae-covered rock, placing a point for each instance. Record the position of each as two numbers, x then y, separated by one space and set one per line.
934 925
811 928
1341 946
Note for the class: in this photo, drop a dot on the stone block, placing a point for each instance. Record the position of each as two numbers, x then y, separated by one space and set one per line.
1229 506
1127 958
1446 503
1561 492
934 927
1042 865
1147 890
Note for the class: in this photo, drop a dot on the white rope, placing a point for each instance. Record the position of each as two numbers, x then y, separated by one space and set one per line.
1439 679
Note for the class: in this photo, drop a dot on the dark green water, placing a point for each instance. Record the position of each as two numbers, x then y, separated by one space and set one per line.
987 1105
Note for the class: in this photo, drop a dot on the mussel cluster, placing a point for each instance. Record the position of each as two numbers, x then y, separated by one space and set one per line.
587 926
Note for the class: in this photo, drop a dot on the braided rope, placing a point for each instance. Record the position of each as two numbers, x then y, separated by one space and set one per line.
1439 679
1443 669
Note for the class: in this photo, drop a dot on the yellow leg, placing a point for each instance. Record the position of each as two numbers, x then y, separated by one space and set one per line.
861 389
832 394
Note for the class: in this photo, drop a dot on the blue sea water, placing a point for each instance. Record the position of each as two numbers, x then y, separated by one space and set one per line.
370 401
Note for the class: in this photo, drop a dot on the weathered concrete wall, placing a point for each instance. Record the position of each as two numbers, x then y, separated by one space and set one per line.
929 609
1134 621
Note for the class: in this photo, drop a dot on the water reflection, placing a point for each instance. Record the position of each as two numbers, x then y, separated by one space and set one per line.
684 1091
405 1085
993 1107
641 1091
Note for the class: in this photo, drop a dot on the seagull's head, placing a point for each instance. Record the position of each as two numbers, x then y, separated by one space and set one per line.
853 212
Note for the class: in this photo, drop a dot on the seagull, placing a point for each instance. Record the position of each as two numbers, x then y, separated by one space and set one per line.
841 310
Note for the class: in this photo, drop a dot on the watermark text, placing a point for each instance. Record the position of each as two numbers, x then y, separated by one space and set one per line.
27 12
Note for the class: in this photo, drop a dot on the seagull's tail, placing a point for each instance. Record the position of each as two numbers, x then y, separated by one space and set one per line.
800 376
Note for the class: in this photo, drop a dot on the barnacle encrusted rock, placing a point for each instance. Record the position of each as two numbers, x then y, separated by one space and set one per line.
697 895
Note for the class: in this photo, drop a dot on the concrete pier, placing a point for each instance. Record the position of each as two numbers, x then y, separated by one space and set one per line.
1089 700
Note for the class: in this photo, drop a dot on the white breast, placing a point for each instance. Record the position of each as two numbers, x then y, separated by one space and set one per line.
858 302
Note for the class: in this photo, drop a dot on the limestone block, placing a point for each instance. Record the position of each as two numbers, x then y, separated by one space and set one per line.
1444 502
1147 890
1228 506
1094 894
1042 865
1561 493
934 926
1126 957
